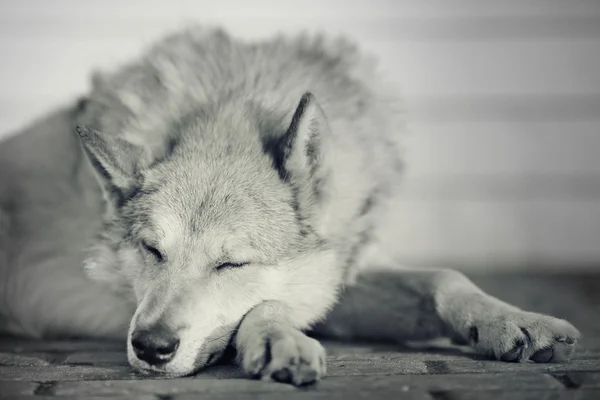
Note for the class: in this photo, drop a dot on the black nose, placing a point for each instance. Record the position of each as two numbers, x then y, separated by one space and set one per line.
156 346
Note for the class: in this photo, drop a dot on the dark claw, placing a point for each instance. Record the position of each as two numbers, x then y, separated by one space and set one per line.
514 355
527 335
474 334
307 376
283 375
257 368
543 356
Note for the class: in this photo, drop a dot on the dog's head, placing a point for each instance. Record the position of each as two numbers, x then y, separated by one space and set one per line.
214 226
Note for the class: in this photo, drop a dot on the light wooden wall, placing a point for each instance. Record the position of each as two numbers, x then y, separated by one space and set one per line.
502 100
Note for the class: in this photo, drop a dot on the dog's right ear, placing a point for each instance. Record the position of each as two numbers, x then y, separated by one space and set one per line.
114 160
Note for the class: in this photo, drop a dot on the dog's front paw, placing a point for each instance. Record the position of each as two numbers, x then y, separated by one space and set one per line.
517 336
287 356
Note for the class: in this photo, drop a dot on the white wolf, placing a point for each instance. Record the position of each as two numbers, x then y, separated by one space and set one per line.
222 193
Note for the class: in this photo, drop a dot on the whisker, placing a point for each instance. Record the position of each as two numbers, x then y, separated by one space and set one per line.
222 336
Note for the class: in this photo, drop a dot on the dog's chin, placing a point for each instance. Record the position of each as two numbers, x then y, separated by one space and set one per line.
168 370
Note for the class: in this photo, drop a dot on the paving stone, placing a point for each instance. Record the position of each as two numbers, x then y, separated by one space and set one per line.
414 385
335 368
76 397
487 366
37 359
575 380
523 395
492 381
438 346
587 355
14 345
401 357
374 366
401 354
213 387
97 358
17 388
169 387
301 394
65 373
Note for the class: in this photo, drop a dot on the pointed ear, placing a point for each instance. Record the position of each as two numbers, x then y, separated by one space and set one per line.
306 145
114 160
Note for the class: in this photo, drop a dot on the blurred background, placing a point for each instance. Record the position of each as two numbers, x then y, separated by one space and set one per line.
502 102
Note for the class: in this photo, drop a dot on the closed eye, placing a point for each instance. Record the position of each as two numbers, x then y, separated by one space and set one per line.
230 265
154 252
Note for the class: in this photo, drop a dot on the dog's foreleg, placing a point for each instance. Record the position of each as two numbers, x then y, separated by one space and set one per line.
387 304
269 346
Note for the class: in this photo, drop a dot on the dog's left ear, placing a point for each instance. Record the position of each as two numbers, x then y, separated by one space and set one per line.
306 149
115 161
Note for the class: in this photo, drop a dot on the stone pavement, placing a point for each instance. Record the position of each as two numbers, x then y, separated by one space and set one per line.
87 370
